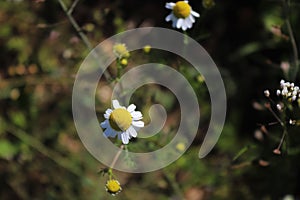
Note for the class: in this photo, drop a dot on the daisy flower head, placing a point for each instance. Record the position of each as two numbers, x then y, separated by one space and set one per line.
113 187
122 122
182 15
120 51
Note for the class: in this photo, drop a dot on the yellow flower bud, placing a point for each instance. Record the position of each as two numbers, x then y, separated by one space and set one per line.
147 49
180 146
124 62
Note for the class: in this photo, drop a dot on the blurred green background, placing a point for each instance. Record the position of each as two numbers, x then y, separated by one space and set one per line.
41 156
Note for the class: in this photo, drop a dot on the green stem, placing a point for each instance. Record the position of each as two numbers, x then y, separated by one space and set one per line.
75 24
79 31
119 74
283 138
276 116
119 68
36 144
72 7
116 157
185 42
292 39
284 126
171 179
110 173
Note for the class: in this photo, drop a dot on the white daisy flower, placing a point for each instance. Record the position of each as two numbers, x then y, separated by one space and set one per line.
122 122
182 15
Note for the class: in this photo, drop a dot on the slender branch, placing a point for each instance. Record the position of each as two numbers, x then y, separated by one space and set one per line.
75 25
275 115
241 165
292 39
285 132
72 7
80 32
51 25
36 144
116 157
282 139
272 123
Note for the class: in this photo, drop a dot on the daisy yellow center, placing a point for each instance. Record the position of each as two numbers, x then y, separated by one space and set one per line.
120 119
113 186
182 9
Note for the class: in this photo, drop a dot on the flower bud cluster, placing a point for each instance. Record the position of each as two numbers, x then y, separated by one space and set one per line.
288 90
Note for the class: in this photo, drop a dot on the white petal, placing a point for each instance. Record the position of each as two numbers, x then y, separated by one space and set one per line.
104 124
106 116
113 133
107 132
195 14
138 123
116 104
132 131
188 23
184 26
186 1
192 18
170 5
179 23
107 113
174 22
137 118
136 128
136 115
125 138
169 17
131 108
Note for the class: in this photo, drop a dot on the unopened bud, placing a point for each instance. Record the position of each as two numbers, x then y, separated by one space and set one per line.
267 93
277 151
279 107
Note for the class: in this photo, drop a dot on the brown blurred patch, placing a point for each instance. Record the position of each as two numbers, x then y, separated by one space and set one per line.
196 193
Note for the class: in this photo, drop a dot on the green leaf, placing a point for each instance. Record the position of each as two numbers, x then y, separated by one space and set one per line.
2 125
18 119
7 150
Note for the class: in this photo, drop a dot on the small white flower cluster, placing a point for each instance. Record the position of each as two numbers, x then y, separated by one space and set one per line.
288 90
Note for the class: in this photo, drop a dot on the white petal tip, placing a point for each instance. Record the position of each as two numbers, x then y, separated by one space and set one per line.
116 104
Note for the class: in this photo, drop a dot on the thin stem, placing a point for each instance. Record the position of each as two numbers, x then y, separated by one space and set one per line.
185 42
110 173
116 157
119 73
80 32
72 7
275 115
51 25
271 100
119 68
171 179
285 132
241 165
36 144
292 39
75 25
282 138
272 123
